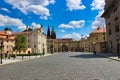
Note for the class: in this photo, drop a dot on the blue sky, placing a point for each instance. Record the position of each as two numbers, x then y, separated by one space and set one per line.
70 18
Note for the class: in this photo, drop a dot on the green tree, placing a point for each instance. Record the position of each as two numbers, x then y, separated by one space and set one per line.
20 43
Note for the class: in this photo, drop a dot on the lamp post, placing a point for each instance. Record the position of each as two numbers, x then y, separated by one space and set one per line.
94 48
85 39
51 47
1 46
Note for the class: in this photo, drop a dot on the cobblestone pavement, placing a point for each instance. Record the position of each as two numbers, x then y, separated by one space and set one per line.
63 66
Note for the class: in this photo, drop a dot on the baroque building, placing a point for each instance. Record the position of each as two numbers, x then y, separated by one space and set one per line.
112 19
36 39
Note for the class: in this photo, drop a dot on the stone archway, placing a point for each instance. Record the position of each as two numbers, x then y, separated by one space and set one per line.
64 48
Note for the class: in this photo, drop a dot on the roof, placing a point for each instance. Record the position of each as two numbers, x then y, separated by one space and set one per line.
2 33
107 9
63 40
23 33
4 36
100 30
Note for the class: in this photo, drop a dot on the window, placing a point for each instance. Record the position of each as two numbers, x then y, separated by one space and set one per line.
96 36
28 40
28 46
115 9
111 44
7 46
116 18
34 46
108 16
34 35
7 37
109 23
110 32
116 27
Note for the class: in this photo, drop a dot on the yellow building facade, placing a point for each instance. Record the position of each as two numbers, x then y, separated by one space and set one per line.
62 45
97 40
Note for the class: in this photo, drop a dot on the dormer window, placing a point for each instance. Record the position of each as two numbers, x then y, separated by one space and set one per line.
7 37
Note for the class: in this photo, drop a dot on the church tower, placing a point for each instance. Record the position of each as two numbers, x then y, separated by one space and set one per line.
48 33
53 34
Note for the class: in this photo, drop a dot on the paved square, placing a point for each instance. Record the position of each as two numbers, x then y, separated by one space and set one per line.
63 66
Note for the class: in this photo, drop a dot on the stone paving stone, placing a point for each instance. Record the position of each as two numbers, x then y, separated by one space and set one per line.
64 66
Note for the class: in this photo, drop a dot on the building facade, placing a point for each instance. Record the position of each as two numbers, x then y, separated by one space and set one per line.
96 41
8 40
112 19
36 39
62 45
84 45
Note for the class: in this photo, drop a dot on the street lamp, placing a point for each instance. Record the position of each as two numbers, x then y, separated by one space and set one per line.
1 46
51 47
94 48
85 39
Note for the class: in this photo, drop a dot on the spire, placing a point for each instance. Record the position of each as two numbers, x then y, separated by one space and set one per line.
53 34
48 32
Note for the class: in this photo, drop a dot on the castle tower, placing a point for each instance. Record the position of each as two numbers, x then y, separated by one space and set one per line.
53 34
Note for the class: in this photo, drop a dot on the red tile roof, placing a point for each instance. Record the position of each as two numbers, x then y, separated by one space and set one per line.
99 30
3 35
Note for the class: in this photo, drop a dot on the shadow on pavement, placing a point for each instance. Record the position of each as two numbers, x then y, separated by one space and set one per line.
86 56
108 54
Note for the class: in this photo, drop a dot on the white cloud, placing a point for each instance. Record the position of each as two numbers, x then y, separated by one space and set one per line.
62 31
52 1
73 24
8 21
98 4
5 9
99 22
67 36
74 35
39 10
38 7
35 25
75 5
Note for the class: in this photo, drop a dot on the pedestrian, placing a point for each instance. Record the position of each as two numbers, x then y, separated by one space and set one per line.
95 52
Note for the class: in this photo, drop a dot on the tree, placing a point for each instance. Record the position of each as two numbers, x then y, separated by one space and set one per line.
20 43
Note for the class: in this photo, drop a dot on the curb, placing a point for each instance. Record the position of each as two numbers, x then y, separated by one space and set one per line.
23 60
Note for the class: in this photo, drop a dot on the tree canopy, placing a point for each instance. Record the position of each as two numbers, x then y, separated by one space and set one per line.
20 43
